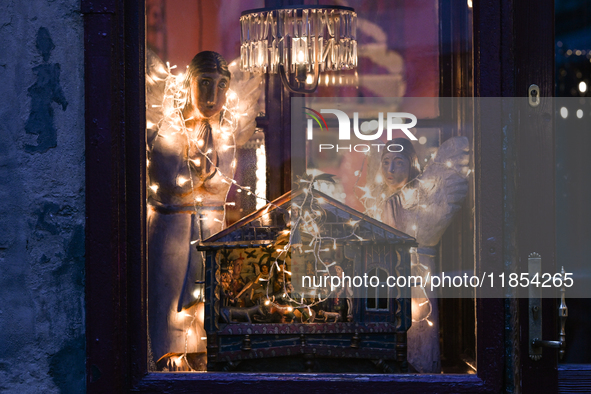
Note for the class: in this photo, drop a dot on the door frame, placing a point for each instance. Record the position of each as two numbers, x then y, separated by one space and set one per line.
114 34
532 136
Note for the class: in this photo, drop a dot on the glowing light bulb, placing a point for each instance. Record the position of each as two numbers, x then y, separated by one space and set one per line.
200 143
267 302
448 163
582 86
430 323
289 309
197 161
301 57
154 188
189 332
181 180
309 79
414 227
198 199
353 222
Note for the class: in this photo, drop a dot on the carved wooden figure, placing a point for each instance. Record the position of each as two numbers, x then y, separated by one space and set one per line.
192 138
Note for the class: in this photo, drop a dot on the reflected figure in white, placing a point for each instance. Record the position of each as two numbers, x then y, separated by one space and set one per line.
421 204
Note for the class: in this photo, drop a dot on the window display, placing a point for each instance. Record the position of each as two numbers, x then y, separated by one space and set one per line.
218 140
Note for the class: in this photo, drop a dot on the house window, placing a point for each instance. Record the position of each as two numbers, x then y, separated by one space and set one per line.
377 297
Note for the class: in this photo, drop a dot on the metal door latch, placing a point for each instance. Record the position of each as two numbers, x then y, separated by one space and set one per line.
536 343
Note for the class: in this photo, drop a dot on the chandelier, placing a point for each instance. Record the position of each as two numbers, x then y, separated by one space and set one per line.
298 42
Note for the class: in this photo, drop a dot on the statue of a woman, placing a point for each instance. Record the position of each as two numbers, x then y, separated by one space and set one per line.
422 205
191 163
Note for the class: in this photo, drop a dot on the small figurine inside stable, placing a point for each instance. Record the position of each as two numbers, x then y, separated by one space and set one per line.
276 298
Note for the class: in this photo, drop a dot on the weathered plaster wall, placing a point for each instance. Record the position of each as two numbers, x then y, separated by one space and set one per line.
42 345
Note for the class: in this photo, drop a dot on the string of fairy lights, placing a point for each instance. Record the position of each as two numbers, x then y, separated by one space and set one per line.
175 98
309 214
374 198
174 101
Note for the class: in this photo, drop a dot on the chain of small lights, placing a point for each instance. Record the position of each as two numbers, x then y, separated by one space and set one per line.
309 220
175 99
177 94
373 200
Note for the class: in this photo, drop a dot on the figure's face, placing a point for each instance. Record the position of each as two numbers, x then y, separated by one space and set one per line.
265 270
237 267
395 170
208 92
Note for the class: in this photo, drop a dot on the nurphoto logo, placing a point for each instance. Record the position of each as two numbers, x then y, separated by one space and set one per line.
394 121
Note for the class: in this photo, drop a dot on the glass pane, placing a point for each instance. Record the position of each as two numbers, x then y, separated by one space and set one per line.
223 261
573 212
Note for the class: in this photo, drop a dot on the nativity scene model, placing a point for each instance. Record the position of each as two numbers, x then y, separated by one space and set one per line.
272 303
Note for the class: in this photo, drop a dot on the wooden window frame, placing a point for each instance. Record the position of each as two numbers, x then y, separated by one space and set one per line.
114 37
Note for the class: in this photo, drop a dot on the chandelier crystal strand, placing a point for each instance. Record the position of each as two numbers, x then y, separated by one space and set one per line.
288 37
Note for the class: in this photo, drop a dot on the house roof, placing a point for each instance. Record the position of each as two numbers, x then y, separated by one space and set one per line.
339 221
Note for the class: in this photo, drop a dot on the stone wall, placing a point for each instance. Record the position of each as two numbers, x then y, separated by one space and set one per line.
42 332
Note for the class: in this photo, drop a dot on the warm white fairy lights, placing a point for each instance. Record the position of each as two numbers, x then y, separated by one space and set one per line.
173 122
375 194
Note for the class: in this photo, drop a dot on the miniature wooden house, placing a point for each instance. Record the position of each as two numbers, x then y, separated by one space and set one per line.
271 303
